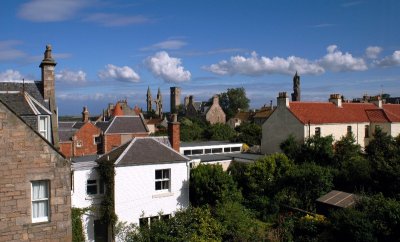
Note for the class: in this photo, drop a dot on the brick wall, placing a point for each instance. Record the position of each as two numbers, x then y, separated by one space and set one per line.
111 141
66 148
26 157
86 135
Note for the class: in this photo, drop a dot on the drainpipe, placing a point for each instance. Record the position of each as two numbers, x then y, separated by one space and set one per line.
309 128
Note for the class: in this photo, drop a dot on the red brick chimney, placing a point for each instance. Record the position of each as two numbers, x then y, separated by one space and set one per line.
174 132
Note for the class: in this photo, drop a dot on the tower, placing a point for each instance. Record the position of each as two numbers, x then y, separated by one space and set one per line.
48 91
296 88
149 100
175 98
159 111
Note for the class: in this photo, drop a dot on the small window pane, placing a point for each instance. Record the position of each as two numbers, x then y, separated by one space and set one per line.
166 174
227 149
234 149
91 187
158 185
187 152
207 151
158 174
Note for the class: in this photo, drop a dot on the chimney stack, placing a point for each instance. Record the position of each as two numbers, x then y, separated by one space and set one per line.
377 100
174 132
336 99
48 90
282 100
85 115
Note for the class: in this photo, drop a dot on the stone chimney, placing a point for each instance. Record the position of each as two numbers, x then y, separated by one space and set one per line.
85 115
377 100
215 99
174 132
336 99
283 100
48 90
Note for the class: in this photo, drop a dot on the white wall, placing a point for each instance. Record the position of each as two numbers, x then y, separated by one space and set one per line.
339 130
395 129
79 199
135 194
277 128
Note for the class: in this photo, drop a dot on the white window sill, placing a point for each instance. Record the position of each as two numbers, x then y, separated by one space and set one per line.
40 220
164 194
94 197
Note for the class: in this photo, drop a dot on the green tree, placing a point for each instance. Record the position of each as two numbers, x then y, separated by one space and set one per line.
306 182
383 153
258 182
238 223
291 147
249 133
374 218
232 100
191 130
210 185
219 132
354 169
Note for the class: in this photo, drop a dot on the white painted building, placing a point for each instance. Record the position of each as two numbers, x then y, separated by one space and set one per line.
305 119
211 152
151 181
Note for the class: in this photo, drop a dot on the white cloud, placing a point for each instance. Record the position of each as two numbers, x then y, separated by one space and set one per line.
255 65
113 20
124 73
337 61
391 60
167 68
166 45
50 10
75 77
372 52
10 75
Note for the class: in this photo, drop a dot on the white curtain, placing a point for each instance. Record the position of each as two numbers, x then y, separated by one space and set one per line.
40 198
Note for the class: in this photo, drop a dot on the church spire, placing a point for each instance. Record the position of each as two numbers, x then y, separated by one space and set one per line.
296 88
149 100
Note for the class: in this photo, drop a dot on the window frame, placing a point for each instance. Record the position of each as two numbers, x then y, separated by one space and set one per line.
40 200
162 180
366 131
98 184
45 132
98 141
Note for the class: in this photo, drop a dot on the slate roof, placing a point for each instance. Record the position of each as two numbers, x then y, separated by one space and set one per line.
31 87
143 151
326 112
24 104
67 129
126 125
338 199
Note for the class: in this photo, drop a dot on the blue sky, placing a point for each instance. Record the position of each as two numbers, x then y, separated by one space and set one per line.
112 50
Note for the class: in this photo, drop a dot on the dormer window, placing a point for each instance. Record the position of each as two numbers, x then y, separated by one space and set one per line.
44 126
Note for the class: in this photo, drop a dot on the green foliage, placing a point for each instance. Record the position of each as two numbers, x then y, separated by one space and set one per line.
107 173
210 185
375 218
192 129
383 153
308 182
291 147
232 100
77 227
259 182
318 150
219 132
195 224
249 133
238 223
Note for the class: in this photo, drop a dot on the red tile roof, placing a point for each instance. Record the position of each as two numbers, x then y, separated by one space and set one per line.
326 112
118 110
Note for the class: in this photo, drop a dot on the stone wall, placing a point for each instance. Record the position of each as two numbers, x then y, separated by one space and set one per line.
25 157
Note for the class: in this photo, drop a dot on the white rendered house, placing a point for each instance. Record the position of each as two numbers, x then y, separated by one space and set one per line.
306 119
151 182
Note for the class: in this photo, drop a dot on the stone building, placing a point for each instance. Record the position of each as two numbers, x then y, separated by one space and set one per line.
158 102
175 99
35 189
296 88
212 113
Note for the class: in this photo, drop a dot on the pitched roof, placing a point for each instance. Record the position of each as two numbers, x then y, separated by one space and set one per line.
338 199
264 112
31 87
24 104
326 112
126 125
143 151
67 129
118 110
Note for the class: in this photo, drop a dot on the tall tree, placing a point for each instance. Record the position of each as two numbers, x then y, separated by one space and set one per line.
210 185
249 133
232 100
